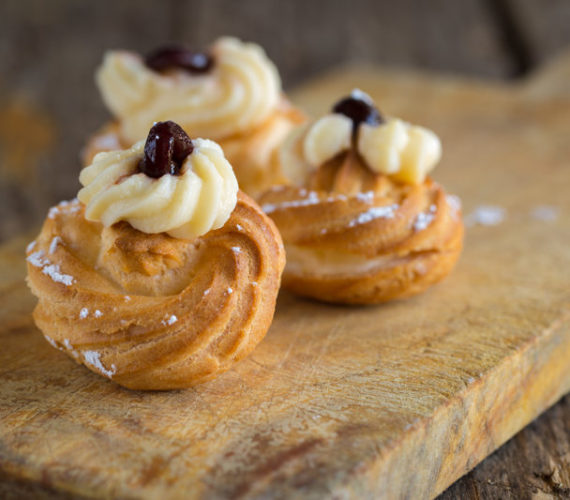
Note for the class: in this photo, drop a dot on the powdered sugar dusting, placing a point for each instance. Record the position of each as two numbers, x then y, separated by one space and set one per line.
52 270
366 197
66 343
385 212
206 292
53 211
93 358
545 213
424 219
236 250
239 227
127 298
70 348
53 245
97 313
83 313
31 246
312 199
36 259
170 321
70 207
230 290
454 203
486 215
51 341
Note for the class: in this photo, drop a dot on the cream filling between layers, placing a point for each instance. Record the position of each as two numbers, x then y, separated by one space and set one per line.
199 199
239 92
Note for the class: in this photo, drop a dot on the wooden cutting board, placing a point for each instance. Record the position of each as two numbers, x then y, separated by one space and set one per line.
395 401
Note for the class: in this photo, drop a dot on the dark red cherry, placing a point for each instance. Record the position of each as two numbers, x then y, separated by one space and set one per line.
176 56
359 110
165 149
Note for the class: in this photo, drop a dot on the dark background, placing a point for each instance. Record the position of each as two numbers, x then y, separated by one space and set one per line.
49 105
49 50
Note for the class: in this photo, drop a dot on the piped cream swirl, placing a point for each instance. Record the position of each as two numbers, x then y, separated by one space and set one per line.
201 198
239 92
405 152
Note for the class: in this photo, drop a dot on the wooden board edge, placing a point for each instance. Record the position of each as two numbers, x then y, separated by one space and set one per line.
432 454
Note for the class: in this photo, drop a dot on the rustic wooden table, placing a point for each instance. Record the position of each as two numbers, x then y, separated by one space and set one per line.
48 105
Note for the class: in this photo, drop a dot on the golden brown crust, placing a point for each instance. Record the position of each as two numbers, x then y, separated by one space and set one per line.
355 237
253 154
151 311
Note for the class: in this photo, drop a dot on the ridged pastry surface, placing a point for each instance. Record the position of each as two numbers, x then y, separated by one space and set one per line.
150 311
254 154
354 236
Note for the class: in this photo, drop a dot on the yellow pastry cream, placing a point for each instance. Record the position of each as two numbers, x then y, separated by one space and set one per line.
405 152
237 92
130 185
231 93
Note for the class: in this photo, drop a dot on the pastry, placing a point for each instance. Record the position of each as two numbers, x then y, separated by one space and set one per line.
231 95
363 222
162 274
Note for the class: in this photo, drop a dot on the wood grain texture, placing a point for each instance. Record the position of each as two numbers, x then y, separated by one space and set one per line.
534 464
49 50
381 402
